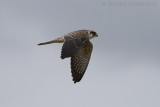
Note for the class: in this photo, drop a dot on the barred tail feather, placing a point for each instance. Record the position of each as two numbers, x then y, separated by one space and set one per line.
58 40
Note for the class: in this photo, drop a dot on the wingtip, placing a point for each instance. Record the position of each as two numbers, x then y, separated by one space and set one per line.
62 57
75 81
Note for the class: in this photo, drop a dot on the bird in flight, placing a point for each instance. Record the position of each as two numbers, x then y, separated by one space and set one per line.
76 45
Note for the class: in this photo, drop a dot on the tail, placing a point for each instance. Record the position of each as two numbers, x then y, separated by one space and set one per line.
58 40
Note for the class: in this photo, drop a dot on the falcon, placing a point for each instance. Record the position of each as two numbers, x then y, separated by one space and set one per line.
76 45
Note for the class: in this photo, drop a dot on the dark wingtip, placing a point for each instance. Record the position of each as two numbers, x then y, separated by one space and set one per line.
75 80
62 57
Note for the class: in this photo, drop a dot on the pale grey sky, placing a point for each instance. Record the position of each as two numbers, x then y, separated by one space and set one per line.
124 68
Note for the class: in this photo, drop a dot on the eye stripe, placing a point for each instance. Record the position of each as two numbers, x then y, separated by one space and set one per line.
93 33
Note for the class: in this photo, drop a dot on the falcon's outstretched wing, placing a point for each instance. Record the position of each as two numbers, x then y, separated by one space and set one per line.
72 44
80 60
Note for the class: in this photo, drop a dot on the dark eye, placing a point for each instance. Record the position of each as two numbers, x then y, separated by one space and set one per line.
93 33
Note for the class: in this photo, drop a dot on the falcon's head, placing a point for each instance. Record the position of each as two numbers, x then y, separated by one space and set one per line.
92 34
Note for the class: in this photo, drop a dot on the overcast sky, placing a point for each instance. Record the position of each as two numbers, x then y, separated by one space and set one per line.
124 70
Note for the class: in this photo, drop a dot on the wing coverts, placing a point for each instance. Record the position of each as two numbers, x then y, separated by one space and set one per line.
71 45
